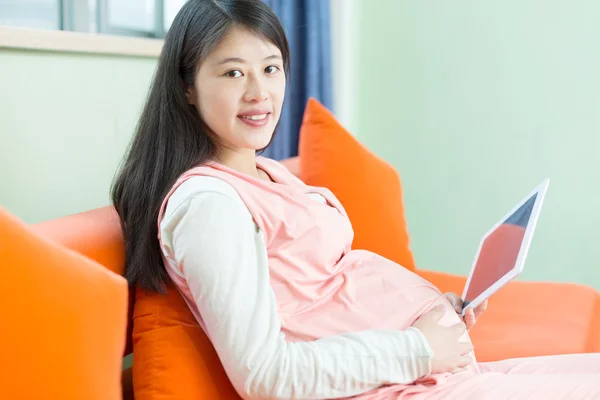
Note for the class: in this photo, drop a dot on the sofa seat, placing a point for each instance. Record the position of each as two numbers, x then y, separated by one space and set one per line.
531 318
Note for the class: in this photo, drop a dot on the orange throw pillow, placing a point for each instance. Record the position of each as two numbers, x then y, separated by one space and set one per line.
172 357
368 187
64 318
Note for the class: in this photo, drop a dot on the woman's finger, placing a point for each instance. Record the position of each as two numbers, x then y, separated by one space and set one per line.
481 309
469 318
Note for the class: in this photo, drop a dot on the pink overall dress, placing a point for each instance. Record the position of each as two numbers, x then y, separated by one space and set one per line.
324 288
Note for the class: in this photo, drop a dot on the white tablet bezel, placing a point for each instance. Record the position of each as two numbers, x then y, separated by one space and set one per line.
540 190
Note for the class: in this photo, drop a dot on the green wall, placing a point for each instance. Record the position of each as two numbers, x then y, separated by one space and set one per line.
65 121
475 103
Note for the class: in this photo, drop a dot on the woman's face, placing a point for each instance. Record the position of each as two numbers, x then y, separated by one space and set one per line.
239 90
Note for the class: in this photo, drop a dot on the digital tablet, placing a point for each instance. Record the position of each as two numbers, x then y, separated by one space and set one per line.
503 249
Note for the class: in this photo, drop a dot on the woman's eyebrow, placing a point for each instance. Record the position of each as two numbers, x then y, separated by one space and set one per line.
242 61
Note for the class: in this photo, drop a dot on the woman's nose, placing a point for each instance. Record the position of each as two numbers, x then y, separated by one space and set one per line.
256 91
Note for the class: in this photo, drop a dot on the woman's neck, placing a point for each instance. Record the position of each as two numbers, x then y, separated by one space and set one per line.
243 161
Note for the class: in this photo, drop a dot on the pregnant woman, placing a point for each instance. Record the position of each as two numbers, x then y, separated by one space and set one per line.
264 261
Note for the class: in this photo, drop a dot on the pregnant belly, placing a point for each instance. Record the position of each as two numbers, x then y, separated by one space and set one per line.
370 292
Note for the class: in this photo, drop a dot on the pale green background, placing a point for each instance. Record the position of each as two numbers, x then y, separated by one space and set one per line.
65 120
475 102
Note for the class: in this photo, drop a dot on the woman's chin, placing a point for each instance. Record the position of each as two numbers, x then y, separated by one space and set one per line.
258 142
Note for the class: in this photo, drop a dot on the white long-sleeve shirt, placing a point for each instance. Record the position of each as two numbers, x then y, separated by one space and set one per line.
224 269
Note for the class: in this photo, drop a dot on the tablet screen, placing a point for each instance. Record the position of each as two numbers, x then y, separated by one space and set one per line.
500 251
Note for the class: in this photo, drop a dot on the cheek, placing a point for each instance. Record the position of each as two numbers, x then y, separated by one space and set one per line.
216 105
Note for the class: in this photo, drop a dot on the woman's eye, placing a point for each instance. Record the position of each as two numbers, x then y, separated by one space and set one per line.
271 69
234 74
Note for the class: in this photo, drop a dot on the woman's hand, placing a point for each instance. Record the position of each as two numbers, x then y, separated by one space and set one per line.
471 315
449 354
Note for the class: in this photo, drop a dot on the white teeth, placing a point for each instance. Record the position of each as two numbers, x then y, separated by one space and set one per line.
255 117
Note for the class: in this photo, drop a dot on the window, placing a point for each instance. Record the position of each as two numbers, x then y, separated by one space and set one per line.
131 17
171 8
145 18
44 14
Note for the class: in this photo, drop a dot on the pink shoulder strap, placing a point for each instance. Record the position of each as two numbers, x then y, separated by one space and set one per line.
284 174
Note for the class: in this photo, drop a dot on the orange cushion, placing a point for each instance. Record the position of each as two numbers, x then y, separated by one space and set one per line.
63 320
526 319
368 187
172 357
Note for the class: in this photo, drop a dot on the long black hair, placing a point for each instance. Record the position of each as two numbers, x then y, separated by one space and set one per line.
171 137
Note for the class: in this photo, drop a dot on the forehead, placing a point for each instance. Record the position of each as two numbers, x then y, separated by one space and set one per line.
245 44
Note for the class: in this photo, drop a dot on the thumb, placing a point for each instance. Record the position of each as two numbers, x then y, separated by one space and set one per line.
456 302
457 307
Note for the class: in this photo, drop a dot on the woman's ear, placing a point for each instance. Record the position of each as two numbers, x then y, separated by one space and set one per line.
190 95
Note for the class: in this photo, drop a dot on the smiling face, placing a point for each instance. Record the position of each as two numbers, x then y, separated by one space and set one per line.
239 91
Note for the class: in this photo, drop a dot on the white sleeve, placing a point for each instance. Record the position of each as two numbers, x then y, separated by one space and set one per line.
223 258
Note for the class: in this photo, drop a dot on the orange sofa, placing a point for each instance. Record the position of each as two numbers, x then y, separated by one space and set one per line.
97 320
523 319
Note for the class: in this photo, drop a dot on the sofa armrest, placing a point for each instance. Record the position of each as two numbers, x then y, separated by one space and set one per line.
64 320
